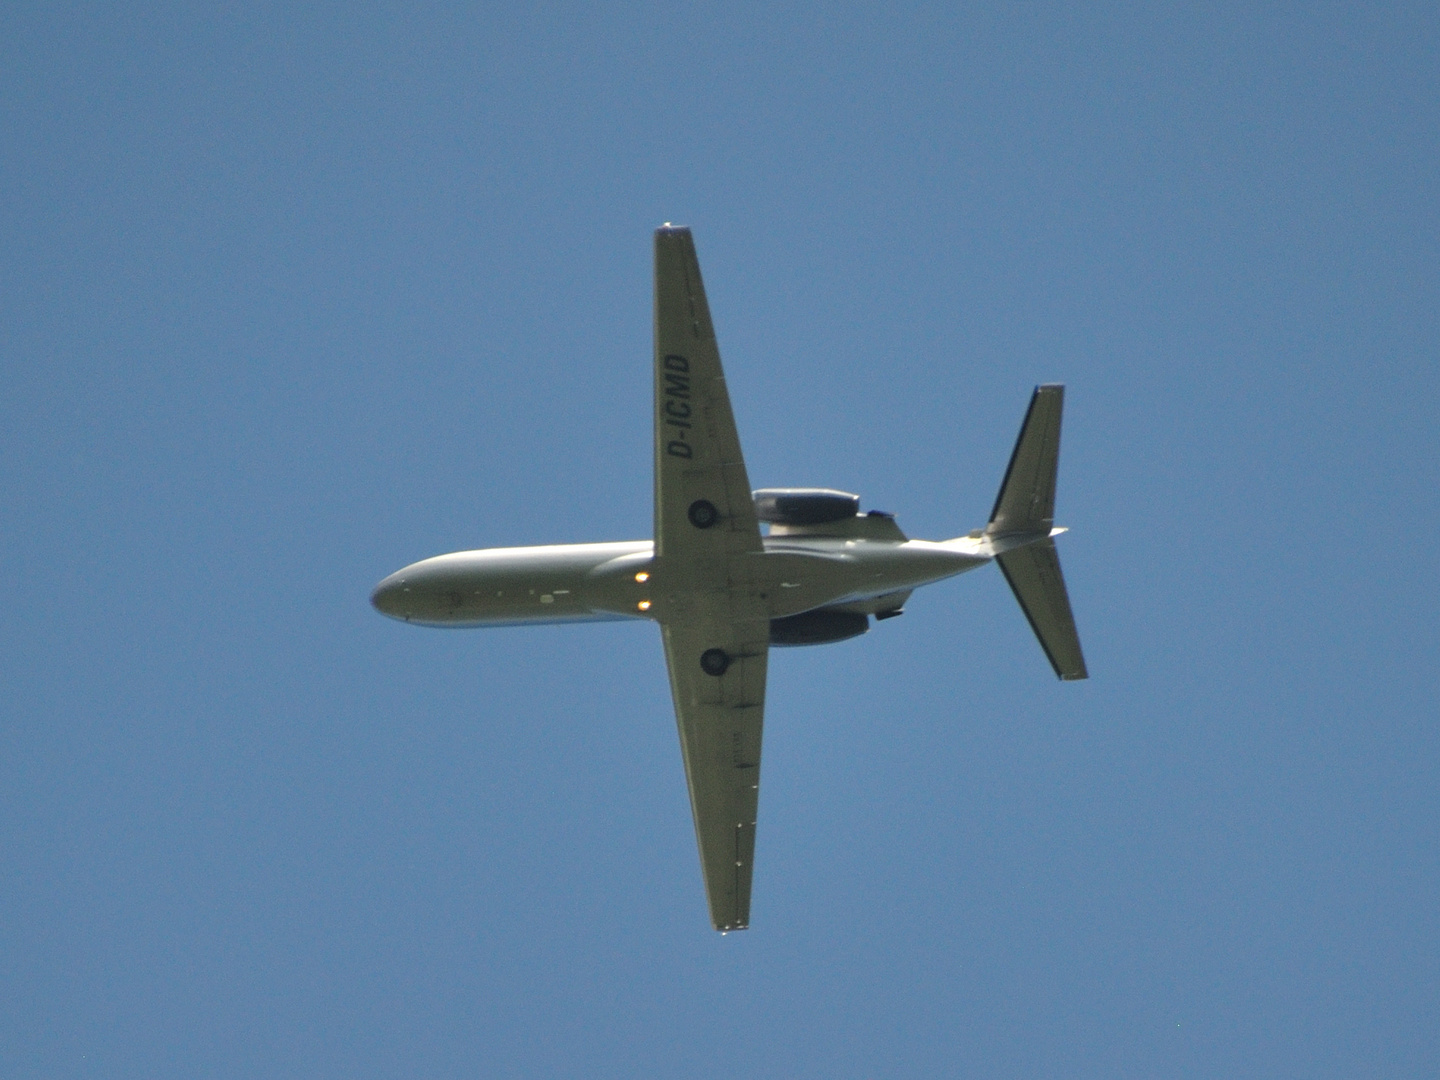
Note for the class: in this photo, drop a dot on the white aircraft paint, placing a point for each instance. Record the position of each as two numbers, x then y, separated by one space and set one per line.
562 583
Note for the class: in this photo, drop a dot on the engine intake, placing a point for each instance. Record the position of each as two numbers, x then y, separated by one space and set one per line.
804 506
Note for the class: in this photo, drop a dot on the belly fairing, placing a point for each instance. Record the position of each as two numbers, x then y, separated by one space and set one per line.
810 574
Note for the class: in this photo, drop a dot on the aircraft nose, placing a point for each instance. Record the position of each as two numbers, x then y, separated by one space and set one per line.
391 597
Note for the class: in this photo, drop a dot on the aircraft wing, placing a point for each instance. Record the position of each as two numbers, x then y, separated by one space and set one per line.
702 495
715 623
721 720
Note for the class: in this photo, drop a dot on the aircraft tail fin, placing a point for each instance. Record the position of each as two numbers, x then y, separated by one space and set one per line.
1026 502
1033 572
1021 529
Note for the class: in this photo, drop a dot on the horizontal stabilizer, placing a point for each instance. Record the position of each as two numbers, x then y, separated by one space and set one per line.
1033 572
1026 502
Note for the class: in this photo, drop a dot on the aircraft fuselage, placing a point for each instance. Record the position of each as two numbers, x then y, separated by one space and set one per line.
558 583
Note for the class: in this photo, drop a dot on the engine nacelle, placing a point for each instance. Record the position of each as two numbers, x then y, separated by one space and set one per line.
818 627
804 506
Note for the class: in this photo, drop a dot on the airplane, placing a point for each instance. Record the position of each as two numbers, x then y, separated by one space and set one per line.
723 592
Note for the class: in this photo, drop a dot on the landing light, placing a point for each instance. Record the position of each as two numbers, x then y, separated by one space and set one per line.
643 605
642 577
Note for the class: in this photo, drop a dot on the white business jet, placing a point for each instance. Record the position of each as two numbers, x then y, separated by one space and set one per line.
723 592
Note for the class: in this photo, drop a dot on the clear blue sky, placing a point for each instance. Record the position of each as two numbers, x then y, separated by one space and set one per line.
292 296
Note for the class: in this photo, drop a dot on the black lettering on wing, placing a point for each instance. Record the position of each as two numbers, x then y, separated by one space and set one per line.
677 410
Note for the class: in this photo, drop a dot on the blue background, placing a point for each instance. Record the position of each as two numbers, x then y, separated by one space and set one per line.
292 297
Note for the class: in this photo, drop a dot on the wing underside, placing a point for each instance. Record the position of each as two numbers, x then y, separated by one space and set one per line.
697 449
714 622
721 720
